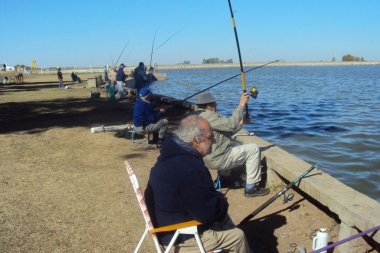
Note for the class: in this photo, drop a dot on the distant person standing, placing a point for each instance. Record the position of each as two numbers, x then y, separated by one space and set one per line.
105 71
141 79
5 67
60 78
120 78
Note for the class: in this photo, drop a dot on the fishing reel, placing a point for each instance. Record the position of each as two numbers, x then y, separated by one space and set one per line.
254 92
288 197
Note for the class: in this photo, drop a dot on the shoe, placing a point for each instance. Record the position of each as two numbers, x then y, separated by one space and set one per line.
159 142
255 192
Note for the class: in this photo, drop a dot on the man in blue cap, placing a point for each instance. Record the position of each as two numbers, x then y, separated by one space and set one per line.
146 120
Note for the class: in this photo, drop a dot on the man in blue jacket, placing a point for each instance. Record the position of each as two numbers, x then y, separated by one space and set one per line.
180 189
145 119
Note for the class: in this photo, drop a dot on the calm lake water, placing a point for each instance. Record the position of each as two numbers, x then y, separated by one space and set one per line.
328 115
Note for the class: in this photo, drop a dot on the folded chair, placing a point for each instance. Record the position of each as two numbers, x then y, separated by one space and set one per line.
189 227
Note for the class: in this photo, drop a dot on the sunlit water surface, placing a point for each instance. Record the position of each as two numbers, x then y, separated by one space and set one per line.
327 115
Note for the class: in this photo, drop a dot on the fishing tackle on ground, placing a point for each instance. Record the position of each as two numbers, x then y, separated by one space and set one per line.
288 197
271 200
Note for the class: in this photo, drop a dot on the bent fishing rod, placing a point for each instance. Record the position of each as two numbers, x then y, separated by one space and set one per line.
240 60
286 198
232 77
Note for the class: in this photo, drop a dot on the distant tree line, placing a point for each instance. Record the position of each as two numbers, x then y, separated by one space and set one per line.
216 60
349 57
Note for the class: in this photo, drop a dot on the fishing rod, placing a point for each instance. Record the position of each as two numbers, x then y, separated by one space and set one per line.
286 198
165 42
333 245
232 77
240 60
151 56
122 52
112 60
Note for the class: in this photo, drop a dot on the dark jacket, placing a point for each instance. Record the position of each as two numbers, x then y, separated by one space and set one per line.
59 74
74 76
143 114
120 76
181 189
140 76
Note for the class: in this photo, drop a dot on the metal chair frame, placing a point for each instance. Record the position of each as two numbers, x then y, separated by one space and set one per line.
134 141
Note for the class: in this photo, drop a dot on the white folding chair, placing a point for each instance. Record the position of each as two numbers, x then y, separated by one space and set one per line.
189 227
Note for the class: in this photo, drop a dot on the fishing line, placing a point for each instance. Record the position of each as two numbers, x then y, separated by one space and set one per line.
165 42
222 82
122 52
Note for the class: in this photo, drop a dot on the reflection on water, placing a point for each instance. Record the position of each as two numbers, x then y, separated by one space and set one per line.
328 115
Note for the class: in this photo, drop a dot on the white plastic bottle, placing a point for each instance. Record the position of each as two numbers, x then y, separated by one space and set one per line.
320 240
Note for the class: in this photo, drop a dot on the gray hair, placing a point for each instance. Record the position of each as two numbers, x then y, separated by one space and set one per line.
190 128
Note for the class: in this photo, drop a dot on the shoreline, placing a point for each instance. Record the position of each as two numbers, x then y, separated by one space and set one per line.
159 67
259 64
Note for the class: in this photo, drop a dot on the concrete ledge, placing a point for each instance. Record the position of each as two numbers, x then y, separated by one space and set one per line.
352 207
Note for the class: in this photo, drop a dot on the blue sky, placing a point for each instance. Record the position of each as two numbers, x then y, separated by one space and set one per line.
94 33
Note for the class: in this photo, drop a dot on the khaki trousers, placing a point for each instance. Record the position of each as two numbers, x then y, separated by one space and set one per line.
224 235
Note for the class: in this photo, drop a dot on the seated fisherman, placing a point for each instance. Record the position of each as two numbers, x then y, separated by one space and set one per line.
145 119
75 78
228 153
99 81
180 189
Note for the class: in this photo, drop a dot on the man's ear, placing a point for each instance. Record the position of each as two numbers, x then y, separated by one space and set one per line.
196 141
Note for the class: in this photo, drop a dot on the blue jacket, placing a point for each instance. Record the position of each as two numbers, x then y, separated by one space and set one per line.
120 76
181 188
143 114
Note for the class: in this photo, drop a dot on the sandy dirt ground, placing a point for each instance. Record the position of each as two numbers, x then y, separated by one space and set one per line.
64 189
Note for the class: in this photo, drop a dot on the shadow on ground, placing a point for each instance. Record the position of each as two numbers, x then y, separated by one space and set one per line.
38 116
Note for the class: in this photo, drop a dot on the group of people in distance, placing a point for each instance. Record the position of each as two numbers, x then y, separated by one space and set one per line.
180 186
116 77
